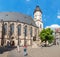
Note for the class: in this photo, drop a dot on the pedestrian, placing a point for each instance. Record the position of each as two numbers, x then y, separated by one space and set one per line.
18 49
8 44
25 50
58 43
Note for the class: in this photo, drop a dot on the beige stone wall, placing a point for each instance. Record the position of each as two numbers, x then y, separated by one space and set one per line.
15 35
0 32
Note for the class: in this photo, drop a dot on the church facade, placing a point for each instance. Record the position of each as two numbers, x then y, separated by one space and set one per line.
19 29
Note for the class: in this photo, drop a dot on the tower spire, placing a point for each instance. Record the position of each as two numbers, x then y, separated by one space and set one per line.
37 9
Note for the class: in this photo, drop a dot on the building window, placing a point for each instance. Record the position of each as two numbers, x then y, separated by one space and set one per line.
31 31
25 31
5 29
19 29
11 29
34 38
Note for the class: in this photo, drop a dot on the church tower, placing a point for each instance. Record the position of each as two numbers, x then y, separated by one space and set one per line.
38 18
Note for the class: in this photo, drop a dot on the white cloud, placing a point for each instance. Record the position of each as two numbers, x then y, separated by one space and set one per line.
44 19
58 16
27 0
53 26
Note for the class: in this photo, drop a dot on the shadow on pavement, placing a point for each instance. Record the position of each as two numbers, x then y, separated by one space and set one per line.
5 49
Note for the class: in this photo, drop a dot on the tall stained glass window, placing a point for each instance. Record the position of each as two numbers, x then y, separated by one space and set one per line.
11 29
19 29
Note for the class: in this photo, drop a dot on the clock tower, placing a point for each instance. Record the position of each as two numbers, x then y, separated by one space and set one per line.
38 18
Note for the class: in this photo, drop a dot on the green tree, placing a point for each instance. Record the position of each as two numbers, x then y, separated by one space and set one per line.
46 35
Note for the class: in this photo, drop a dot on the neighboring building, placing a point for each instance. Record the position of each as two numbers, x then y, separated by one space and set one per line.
19 29
57 36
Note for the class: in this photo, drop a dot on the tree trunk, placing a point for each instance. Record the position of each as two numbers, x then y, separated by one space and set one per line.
45 43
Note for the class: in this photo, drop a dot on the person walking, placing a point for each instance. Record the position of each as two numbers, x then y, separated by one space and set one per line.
18 49
25 50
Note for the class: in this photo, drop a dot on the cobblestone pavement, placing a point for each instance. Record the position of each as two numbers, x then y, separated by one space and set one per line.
15 53
4 54
53 51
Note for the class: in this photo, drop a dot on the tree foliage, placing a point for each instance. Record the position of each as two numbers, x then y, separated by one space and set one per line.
46 35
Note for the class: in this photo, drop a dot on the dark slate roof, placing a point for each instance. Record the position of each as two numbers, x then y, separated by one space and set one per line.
37 9
14 16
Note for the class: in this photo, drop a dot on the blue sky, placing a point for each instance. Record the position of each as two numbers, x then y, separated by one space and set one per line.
50 9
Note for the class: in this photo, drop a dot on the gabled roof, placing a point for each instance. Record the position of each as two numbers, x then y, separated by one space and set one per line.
14 16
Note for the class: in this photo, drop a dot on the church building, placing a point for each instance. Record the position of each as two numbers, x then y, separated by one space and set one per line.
20 29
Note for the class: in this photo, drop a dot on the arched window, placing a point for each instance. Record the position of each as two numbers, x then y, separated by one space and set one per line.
5 29
11 29
25 31
19 29
31 31
35 31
